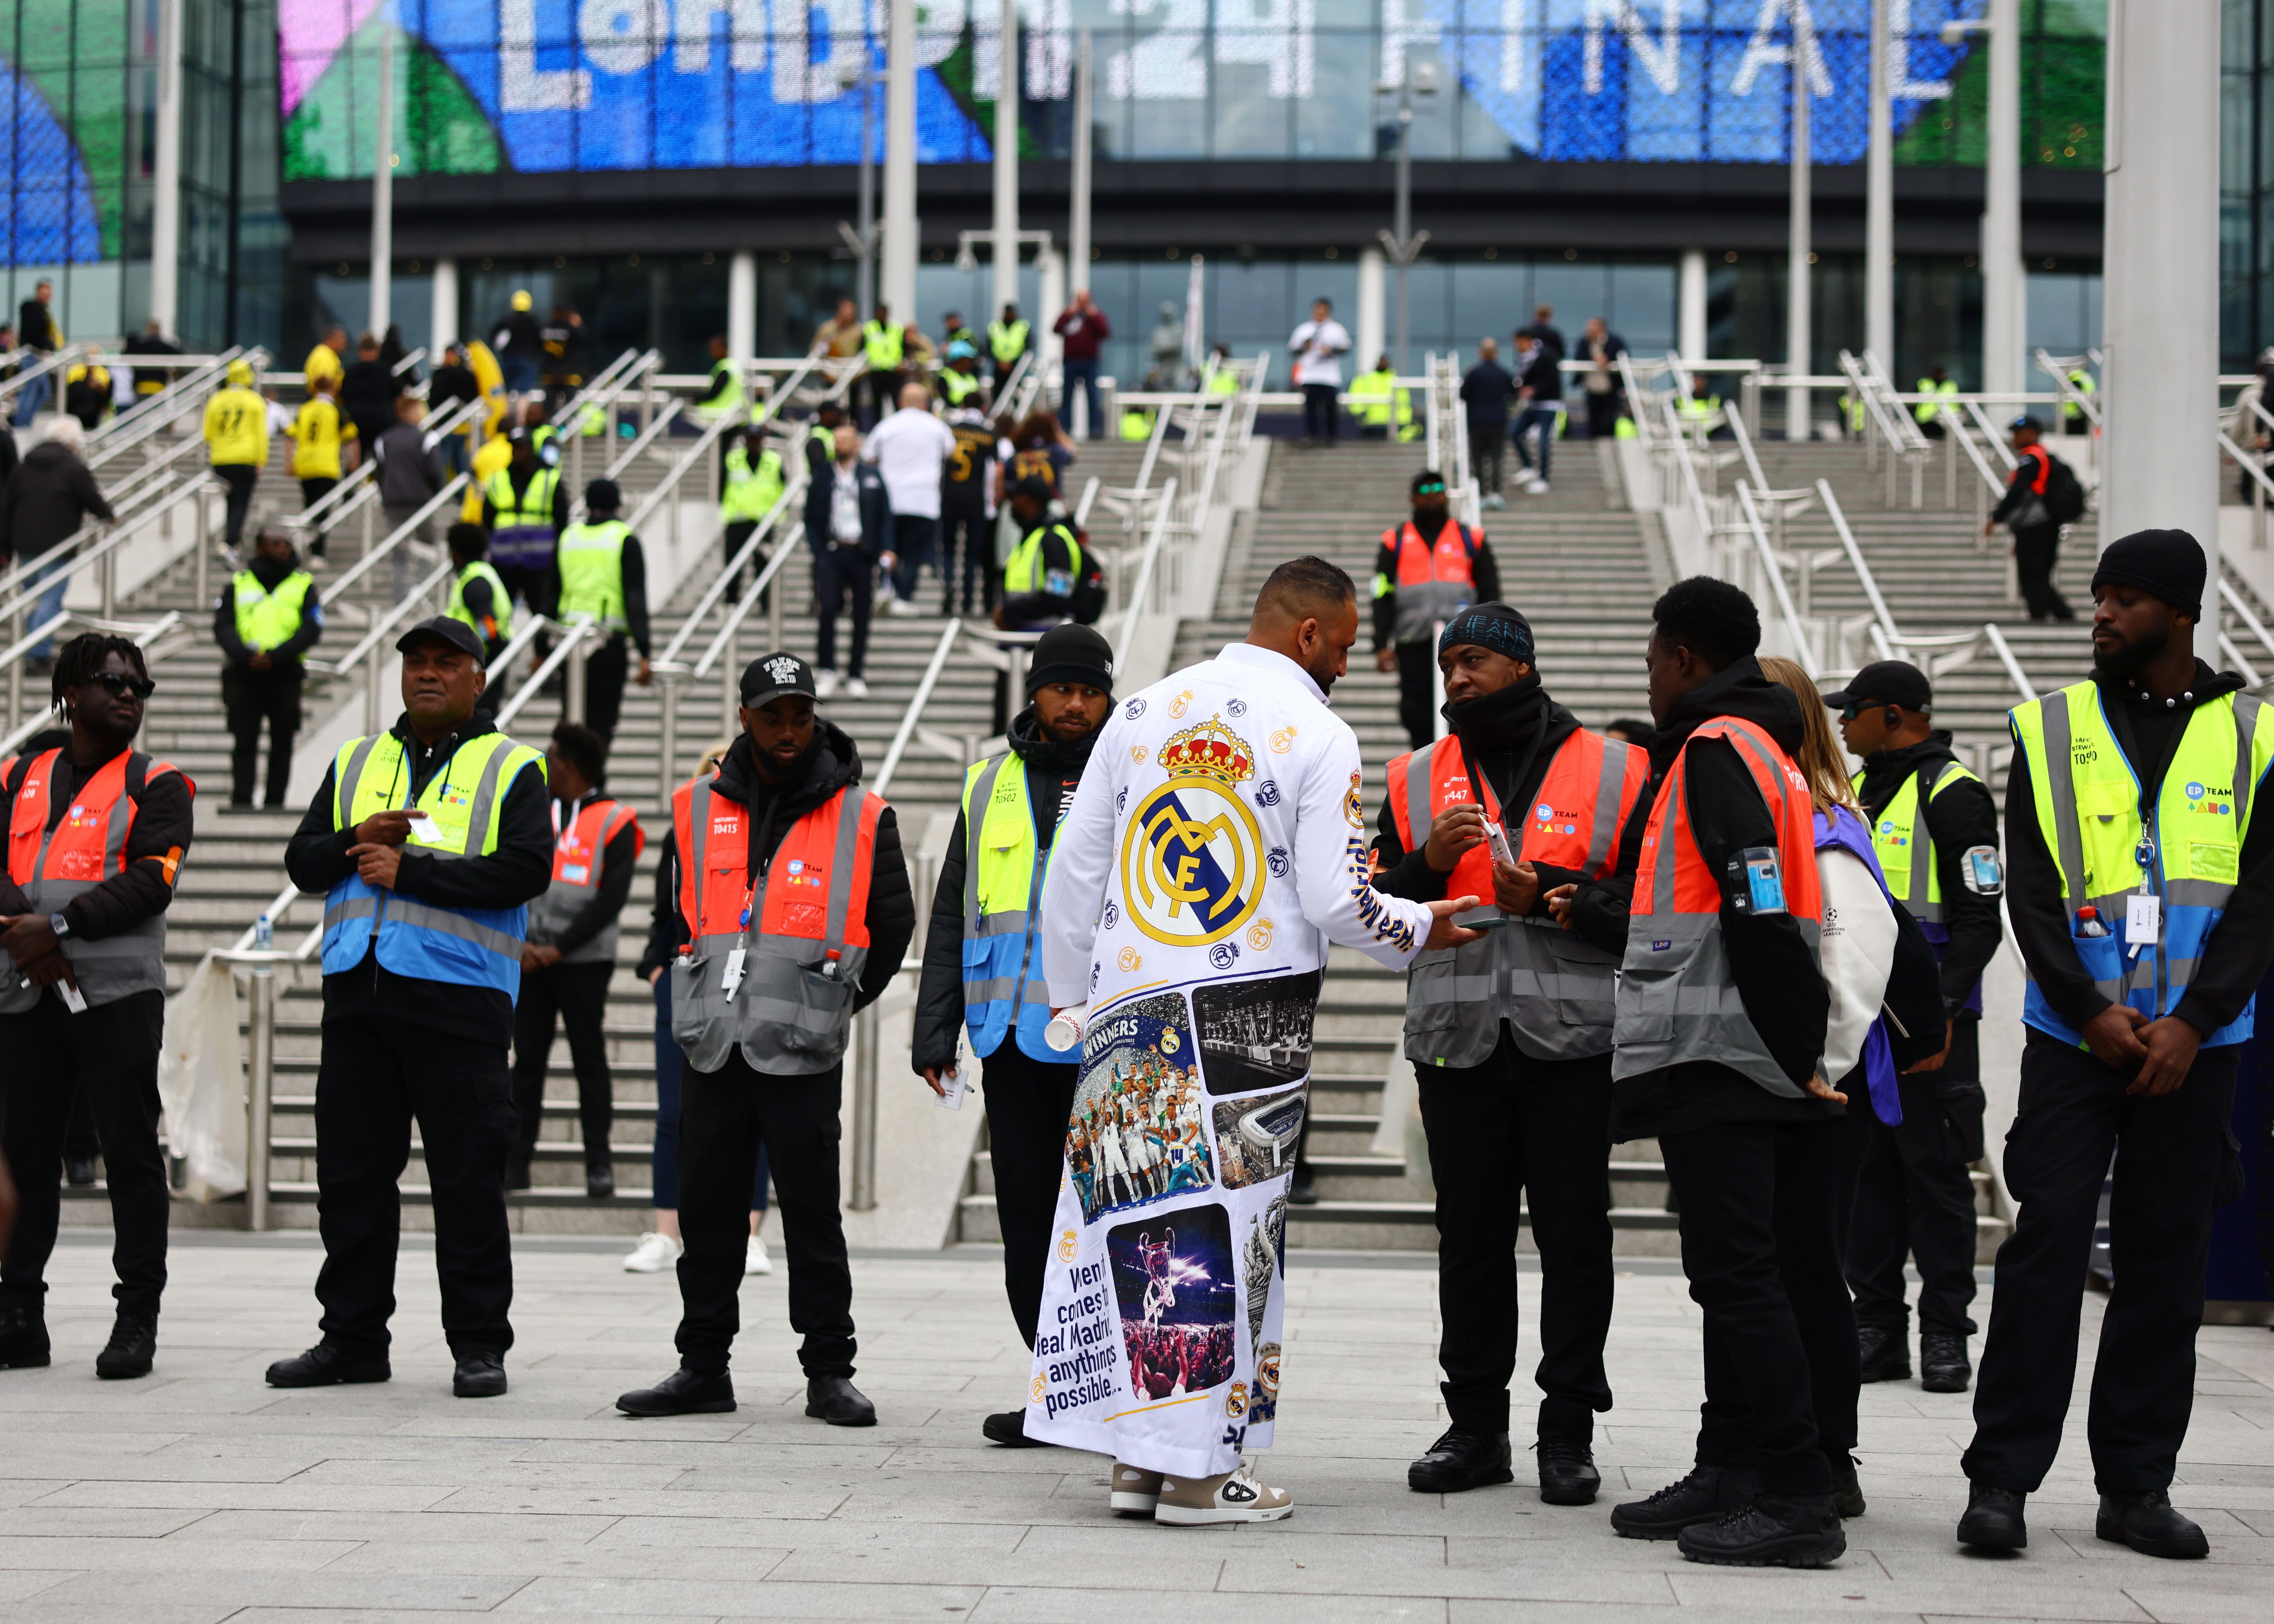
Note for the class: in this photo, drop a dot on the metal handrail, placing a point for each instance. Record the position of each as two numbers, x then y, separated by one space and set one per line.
577 629
394 538
2234 600
1146 563
914 712
2070 394
350 492
1882 616
147 637
1875 372
1957 425
55 361
1776 578
183 396
1990 432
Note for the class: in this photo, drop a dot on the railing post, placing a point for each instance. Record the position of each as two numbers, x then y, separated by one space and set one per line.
260 1086
110 574
572 679
666 767
864 1110
374 663
198 515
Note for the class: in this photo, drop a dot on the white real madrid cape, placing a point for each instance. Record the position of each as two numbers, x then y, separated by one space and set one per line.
1215 847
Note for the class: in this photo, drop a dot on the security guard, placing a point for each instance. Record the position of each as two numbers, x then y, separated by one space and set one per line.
883 341
722 394
1006 341
1938 386
1372 396
793 915
571 952
267 621
97 831
1511 1038
524 508
236 442
2073 418
1428 569
1044 577
747 493
604 574
981 972
429 840
1934 833
2140 890
478 595
959 380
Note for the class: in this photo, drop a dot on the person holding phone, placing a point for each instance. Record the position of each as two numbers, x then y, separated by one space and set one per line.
1510 1036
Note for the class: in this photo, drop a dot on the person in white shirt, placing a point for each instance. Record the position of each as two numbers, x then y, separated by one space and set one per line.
910 449
1215 847
1318 347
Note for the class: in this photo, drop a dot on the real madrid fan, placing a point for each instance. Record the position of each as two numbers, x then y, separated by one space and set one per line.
1215 847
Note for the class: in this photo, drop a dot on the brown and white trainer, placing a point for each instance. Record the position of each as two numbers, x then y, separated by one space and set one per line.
1232 1497
1135 1491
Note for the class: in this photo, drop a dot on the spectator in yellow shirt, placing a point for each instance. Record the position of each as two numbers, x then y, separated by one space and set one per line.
496 453
237 440
324 360
322 449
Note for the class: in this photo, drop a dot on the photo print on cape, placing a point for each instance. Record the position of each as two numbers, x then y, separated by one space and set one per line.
1256 1138
1139 1130
1256 1035
1177 1284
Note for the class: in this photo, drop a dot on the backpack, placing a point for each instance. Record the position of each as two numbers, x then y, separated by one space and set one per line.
2064 496
1912 1002
1088 601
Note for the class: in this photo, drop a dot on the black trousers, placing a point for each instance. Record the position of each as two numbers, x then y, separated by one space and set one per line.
2035 550
1419 692
1602 414
724 1117
839 573
607 669
375 1076
1915 1199
312 492
1756 1201
576 996
1545 1125
110 1051
2171 1152
238 477
737 533
971 537
1488 453
251 697
1029 1102
1319 413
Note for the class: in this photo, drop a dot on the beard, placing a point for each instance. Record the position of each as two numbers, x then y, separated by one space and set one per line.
2128 660
1323 670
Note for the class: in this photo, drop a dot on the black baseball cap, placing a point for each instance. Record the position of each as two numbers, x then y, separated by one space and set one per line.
1887 682
442 629
776 676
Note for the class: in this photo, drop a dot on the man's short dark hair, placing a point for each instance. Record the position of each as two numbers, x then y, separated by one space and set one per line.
79 661
585 749
1714 620
1306 587
468 541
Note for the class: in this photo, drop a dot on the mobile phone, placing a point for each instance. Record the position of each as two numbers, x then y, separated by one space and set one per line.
1758 883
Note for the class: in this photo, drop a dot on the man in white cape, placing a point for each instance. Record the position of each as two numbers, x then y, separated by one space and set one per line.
1216 846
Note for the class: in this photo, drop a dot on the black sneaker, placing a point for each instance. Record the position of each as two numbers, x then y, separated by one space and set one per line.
1776 1530
23 1336
1846 1492
480 1374
2144 1520
599 1181
1566 1472
1303 1188
1943 1365
1009 1428
1460 1460
133 1344
1882 1354
1707 1494
78 1171
324 1366
1993 1519
682 1393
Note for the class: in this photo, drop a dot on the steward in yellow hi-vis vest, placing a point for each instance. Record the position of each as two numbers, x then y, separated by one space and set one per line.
428 843
266 619
2141 893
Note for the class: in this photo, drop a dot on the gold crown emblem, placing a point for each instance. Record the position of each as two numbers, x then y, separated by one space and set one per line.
1208 750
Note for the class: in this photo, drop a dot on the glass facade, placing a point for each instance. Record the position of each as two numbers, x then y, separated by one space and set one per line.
2246 172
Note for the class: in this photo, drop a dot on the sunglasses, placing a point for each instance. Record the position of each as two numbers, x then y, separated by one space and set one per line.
118 686
1428 490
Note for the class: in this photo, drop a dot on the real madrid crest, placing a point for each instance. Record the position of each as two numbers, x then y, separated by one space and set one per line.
1191 856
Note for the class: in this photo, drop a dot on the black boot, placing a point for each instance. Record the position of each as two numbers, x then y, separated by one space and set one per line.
1567 1471
23 1335
1707 1494
1882 1353
1994 1520
682 1393
1462 1459
1009 1428
1943 1366
1303 1188
2144 1520
1846 1492
599 1181
834 1399
133 1344
78 1171
1776 1530
481 1373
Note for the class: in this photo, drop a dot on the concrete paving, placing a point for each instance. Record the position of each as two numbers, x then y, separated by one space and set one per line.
198 1494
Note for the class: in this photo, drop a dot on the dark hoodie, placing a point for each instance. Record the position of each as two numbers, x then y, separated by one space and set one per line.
47 499
2234 960
831 762
317 858
1778 976
285 655
1962 817
1053 770
1519 728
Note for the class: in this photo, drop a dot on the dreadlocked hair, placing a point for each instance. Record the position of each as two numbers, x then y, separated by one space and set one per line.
78 661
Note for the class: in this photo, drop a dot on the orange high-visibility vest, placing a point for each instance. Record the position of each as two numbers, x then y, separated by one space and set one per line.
1435 581
576 854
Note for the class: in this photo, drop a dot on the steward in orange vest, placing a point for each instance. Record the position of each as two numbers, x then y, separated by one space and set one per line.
1510 1036
96 833
795 915
1427 571
1720 1024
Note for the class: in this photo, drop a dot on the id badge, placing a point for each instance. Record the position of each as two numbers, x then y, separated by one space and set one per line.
1496 841
731 976
2143 919
1760 891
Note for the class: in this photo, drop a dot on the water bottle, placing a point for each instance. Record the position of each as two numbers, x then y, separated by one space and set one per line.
263 935
2088 922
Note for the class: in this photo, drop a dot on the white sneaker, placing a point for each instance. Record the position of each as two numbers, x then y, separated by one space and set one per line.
656 1252
824 682
902 607
855 689
1494 502
1234 1496
1136 1492
315 564
754 1260
1538 487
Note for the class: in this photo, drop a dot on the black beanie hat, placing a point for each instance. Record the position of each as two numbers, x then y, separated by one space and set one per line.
1491 625
2166 564
1072 653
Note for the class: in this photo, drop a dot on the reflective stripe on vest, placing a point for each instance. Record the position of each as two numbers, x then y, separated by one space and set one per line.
1678 998
1004 865
1026 572
266 619
86 847
2087 805
1006 341
525 534
1553 987
1905 847
1435 581
468 947
802 929
883 346
577 852
501 601
592 564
